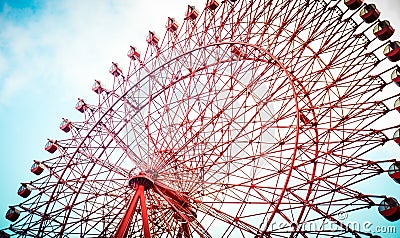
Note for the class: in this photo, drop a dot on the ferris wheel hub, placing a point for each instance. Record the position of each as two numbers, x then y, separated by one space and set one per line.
145 179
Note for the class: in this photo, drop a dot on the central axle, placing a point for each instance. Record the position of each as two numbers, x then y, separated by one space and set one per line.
178 201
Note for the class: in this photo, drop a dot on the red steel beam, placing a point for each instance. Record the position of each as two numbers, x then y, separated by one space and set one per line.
145 218
123 228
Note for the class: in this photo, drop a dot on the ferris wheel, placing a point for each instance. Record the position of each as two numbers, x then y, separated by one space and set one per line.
244 119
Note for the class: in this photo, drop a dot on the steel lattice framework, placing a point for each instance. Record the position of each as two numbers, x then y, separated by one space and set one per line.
246 115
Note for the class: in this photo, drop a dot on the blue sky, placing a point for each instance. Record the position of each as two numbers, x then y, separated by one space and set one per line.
50 54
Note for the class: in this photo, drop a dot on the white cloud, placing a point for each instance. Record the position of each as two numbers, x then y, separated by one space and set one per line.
3 64
11 86
73 42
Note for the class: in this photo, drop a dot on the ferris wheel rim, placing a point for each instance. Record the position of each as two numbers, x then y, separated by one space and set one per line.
291 80
311 160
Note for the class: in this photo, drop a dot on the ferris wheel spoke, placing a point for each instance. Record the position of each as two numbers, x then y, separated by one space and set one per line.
215 117
226 218
184 211
130 153
107 165
331 218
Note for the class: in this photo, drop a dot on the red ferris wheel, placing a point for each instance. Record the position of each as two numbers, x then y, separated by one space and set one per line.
244 115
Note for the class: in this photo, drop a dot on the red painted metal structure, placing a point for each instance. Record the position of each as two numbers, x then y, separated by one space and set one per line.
353 4
396 76
13 214
392 51
370 13
65 125
24 191
383 30
394 171
51 147
123 228
245 115
37 168
390 209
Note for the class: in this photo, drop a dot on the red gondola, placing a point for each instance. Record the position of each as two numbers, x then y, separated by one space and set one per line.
81 106
396 136
133 53
12 214
192 13
238 52
212 5
304 119
97 88
66 125
394 171
353 4
396 76
172 26
152 39
383 30
114 70
4 235
392 51
397 105
24 191
51 147
370 13
37 168
389 208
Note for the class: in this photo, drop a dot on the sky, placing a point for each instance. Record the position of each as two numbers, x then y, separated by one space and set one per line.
50 54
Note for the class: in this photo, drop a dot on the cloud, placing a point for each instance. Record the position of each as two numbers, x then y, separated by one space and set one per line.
3 63
64 45
70 43
21 56
11 86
